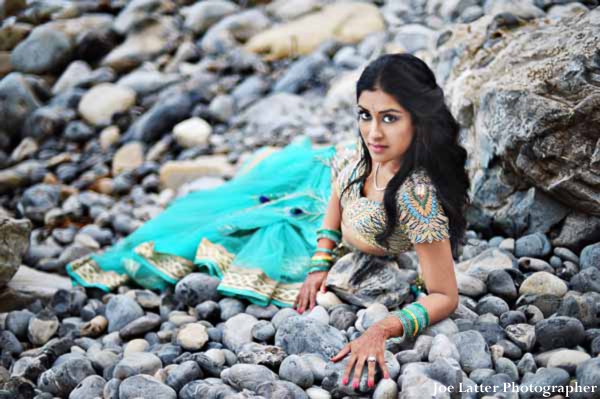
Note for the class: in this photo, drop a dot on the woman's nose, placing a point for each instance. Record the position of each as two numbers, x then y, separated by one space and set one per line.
375 130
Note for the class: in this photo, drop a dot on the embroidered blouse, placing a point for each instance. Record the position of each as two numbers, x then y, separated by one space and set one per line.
421 215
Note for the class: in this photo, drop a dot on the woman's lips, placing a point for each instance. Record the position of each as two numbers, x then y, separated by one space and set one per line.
377 148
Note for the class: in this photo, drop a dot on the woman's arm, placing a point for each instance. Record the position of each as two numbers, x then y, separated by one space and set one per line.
437 267
332 219
315 281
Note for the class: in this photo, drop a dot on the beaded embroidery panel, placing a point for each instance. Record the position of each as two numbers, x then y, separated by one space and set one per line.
421 219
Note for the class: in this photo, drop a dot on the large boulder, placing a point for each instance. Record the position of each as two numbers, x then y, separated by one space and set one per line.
527 96
14 244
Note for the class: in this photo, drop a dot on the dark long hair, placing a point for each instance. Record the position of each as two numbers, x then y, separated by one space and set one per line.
434 145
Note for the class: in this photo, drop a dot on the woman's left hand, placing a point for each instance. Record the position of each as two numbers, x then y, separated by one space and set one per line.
370 344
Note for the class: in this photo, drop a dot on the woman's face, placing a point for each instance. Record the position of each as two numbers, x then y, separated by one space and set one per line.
385 126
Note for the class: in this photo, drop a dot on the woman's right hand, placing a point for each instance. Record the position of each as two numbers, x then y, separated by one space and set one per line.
307 297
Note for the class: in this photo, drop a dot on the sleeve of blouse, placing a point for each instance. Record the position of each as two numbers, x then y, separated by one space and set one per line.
421 212
343 157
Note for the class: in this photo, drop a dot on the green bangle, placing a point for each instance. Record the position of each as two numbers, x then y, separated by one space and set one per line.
318 269
420 326
325 250
334 239
337 233
407 323
421 308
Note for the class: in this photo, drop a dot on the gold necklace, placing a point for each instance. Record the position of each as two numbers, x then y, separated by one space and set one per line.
375 180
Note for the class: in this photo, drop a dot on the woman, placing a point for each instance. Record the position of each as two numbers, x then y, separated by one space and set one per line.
407 189
403 187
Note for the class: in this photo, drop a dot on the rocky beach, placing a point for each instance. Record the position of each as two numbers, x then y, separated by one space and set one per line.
112 109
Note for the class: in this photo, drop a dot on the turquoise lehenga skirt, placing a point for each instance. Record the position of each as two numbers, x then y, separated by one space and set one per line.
256 232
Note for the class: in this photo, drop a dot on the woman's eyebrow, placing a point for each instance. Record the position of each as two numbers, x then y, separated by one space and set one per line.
383 111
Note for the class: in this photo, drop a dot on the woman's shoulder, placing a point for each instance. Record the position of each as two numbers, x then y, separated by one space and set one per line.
420 208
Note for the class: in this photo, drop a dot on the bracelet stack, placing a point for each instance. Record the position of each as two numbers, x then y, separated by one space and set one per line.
414 319
322 260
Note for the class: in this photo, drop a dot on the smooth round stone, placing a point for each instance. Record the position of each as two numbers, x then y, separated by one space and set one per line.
180 318
327 299
196 288
238 331
104 359
371 315
111 389
319 313
534 245
230 307
527 364
168 353
544 377
590 256
208 310
543 283
386 389
145 386
528 264
588 373
566 254
442 347
473 349
296 370
555 262
120 311
214 334
559 332
409 356
317 365
140 326
263 331
507 367
586 280
479 375
317 393
192 337
17 322
9 343
282 315
512 317
493 305
262 312
90 387
491 331
247 376
182 374
137 363
42 327
136 345
509 349
65 375
342 318
568 360
469 285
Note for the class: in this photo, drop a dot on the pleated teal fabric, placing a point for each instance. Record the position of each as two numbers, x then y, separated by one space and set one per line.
255 232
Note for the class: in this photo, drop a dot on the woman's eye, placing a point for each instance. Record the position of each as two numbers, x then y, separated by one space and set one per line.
391 119
363 115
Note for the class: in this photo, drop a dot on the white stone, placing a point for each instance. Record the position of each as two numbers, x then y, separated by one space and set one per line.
136 345
192 337
192 132
543 283
101 102
128 157
109 136
175 173
327 299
